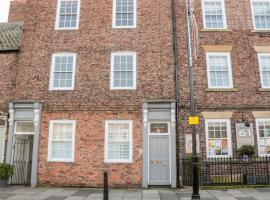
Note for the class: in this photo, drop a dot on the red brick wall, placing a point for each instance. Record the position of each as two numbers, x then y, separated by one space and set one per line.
87 170
17 11
93 43
8 66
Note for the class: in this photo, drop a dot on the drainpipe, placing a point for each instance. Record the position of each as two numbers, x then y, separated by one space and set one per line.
177 99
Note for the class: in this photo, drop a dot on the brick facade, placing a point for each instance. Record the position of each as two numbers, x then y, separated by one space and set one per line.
88 168
246 95
92 102
17 11
8 67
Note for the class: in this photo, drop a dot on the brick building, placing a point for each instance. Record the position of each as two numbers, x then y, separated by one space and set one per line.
95 88
86 74
231 77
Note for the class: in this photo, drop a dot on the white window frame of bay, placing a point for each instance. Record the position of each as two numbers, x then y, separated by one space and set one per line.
224 18
70 14
107 159
124 12
113 70
229 137
229 69
53 67
50 141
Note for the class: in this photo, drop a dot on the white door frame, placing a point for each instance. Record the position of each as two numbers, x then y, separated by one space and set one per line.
160 134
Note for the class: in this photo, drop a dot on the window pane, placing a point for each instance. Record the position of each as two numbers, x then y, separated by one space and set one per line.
159 128
63 71
261 10
264 137
219 71
25 127
118 141
68 13
265 70
214 14
62 141
125 11
123 71
217 139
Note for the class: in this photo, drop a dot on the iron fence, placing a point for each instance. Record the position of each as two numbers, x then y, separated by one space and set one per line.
228 171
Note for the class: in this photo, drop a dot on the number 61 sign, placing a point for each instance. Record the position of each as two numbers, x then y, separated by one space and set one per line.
244 134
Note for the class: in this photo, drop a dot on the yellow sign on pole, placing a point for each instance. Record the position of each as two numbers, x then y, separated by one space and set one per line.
193 120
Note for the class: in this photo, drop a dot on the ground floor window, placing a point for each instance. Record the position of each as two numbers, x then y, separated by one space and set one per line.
61 141
263 136
218 138
118 141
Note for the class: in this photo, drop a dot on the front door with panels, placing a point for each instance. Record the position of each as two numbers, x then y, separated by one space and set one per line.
22 152
159 153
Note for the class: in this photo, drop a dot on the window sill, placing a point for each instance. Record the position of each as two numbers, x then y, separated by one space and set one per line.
216 30
260 31
264 89
221 90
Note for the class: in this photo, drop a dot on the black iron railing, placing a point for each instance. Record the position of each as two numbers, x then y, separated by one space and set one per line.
228 171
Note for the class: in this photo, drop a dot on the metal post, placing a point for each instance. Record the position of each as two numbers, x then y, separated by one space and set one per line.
105 187
195 158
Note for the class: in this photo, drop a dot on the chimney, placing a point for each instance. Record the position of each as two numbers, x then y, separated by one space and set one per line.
16 11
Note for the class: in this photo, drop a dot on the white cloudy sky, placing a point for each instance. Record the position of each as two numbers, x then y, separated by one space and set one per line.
4 8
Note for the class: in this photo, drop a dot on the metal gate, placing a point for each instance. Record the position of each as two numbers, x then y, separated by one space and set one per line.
22 160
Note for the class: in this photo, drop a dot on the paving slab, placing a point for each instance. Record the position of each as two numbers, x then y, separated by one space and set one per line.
46 193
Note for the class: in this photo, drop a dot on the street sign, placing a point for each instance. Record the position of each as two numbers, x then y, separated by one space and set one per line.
193 120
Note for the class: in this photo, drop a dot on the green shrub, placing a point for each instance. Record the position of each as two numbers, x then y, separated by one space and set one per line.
246 150
6 171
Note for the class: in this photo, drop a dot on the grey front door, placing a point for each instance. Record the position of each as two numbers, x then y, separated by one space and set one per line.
159 155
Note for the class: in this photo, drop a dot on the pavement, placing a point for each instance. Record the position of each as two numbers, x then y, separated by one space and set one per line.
45 193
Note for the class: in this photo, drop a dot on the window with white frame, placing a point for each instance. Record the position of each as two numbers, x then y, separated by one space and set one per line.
24 127
264 63
67 16
63 71
218 138
261 14
123 70
263 136
124 13
118 141
214 14
219 70
61 141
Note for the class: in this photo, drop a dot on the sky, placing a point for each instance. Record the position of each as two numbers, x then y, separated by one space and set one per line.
4 8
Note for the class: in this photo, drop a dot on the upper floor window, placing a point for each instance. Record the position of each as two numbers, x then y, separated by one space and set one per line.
261 14
123 70
219 70
263 136
214 14
124 13
67 14
264 62
63 71
61 140
118 141
218 138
